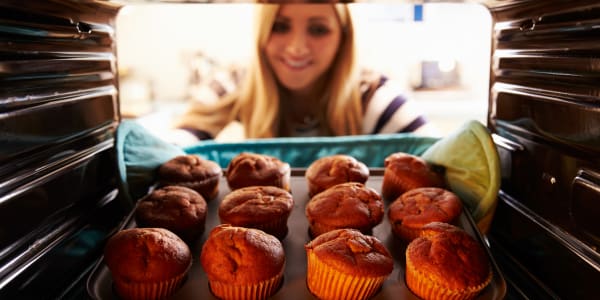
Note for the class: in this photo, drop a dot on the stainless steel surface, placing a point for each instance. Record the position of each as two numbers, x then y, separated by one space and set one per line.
294 287
544 104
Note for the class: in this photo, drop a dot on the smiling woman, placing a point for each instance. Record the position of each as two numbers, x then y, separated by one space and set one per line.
198 64
304 80
291 49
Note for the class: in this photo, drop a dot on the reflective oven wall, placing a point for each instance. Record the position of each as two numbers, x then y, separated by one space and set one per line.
59 110
544 109
58 114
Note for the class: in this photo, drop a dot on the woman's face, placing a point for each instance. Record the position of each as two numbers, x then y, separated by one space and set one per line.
303 44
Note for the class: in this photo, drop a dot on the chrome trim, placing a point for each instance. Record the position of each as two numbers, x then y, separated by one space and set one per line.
62 166
25 259
578 248
506 143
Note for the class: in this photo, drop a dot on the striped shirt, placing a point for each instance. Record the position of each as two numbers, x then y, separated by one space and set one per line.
387 109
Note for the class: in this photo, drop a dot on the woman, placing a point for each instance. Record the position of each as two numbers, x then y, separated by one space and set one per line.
304 82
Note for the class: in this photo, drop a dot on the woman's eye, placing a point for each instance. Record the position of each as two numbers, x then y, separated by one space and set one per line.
318 30
280 27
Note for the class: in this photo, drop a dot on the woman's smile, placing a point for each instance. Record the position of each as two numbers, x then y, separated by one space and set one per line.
297 64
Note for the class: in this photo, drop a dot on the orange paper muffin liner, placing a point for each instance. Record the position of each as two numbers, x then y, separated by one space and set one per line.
327 283
143 290
426 288
257 291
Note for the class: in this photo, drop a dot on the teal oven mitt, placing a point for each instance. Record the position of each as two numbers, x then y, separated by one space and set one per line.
139 154
472 165
301 152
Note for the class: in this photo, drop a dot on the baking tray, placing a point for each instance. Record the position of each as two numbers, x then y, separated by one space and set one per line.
99 284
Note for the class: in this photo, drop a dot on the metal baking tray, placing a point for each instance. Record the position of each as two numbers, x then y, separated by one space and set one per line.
99 284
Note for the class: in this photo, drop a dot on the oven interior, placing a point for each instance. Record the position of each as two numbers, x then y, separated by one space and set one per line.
59 110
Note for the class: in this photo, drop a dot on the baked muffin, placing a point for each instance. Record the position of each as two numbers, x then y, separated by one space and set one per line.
147 263
262 207
242 263
250 169
192 171
434 228
346 264
403 172
177 208
328 171
418 207
446 263
345 205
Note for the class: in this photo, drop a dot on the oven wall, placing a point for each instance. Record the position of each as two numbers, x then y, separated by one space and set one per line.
58 115
544 109
59 111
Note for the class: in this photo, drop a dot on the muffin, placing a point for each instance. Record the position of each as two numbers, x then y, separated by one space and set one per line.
446 263
262 207
193 172
434 228
147 263
403 172
251 169
418 207
242 263
346 264
177 208
345 205
328 171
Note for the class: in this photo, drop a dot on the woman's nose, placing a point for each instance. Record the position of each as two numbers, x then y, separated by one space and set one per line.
298 44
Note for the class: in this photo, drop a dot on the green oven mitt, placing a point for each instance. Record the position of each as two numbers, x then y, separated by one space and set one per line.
472 165
139 154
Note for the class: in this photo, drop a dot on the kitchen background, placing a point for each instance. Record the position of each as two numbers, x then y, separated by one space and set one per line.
170 53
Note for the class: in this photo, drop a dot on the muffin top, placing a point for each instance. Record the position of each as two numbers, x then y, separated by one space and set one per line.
328 171
188 168
173 207
403 172
420 206
250 169
452 258
255 205
346 204
241 255
351 252
401 162
434 228
146 255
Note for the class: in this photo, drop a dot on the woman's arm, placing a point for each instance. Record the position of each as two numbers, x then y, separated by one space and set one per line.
206 121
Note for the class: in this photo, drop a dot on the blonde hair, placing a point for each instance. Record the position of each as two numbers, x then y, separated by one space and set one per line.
341 103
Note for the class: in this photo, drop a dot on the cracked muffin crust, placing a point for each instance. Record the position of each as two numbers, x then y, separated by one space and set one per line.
418 207
345 205
191 171
328 171
346 264
403 172
242 261
262 207
251 169
446 263
176 208
147 263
